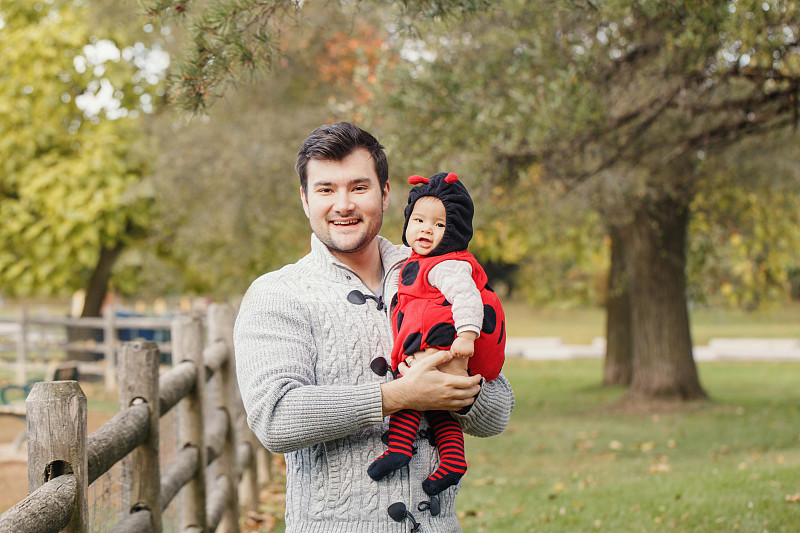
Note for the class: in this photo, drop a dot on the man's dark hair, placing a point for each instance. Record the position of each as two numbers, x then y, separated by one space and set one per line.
334 142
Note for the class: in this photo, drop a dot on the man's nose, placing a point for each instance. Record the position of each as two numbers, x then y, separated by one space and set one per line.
344 202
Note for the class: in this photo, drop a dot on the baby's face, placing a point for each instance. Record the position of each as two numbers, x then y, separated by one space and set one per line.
426 225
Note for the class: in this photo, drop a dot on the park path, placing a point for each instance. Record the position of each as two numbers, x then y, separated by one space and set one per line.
727 349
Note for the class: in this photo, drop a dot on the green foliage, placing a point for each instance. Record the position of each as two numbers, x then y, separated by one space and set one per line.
566 115
228 203
232 41
68 178
227 195
610 105
744 240
588 86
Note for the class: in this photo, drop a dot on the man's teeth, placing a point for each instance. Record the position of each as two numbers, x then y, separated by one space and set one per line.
344 223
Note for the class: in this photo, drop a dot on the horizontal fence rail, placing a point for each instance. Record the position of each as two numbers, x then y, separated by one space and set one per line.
212 429
27 340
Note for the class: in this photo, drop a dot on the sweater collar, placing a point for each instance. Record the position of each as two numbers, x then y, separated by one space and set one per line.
391 256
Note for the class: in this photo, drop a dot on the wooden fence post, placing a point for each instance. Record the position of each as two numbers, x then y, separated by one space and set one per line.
110 348
187 345
263 461
252 473
258 469
22 347
220 327
138 383
56 427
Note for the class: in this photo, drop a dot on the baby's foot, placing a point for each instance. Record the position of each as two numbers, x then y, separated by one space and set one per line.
386 464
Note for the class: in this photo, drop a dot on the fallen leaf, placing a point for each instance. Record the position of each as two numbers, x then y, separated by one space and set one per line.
659 468
647 446
793 498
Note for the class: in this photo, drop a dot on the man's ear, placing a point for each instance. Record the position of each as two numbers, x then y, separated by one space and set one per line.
304 202
386 196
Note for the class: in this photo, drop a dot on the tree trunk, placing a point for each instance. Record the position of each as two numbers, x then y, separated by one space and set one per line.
95 294
618 368
663 366
98 283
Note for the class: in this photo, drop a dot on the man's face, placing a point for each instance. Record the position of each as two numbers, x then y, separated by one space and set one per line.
345 202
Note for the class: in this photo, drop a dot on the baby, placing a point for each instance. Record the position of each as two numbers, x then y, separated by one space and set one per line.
443 303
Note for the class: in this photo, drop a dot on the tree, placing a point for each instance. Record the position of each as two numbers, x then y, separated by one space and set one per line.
232 41
70 149
227 204
627 104
744 240
620 103
718 87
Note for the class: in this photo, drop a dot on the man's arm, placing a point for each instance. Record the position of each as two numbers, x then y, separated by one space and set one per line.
424 388
275 365
491 412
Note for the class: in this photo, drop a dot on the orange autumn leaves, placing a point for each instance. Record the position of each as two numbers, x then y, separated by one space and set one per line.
353 57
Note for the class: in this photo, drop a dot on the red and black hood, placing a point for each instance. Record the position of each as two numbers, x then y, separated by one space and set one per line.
457 204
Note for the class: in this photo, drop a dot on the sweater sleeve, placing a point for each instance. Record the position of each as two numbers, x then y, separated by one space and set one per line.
491 412
454 280
275 364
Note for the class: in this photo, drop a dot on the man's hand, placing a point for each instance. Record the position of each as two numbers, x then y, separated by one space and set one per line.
423 387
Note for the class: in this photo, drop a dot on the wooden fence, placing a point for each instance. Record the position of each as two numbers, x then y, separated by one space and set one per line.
201 385
27 341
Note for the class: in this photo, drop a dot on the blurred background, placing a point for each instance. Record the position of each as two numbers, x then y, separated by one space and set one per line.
634 164
635 161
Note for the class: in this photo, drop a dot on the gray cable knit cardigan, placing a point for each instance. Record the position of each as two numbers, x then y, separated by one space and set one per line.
303 354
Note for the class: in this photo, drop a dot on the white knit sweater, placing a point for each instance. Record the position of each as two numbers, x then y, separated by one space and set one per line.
303 355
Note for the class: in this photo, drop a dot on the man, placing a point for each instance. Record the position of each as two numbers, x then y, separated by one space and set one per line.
311 343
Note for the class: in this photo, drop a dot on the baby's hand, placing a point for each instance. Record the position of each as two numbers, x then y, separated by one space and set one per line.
463 347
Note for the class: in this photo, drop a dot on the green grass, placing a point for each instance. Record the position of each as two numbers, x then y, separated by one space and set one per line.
580 326
568 463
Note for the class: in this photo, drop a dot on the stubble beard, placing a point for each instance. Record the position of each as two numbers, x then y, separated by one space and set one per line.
361 241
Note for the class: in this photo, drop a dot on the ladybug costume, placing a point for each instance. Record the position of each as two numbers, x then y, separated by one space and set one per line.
423 318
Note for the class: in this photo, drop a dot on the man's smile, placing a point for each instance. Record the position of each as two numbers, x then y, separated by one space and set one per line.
346 222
